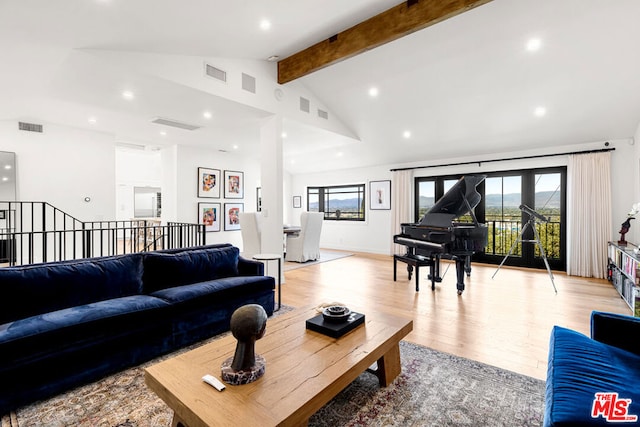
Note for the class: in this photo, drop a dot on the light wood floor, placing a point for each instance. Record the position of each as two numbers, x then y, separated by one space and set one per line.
505 321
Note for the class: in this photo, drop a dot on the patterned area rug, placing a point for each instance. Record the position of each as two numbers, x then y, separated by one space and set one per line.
434 389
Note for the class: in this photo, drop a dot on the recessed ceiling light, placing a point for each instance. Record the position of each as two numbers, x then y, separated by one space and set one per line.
534 44
235 146
163 133
265 24
4 178
293 162
92 120
284 134
406 134
127 94
540 111
207 115
339 154
373 92
7 166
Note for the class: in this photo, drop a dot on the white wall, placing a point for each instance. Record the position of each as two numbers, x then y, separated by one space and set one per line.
180 179
62 166
374 235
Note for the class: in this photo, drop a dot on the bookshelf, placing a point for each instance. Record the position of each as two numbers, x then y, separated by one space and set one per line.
624 272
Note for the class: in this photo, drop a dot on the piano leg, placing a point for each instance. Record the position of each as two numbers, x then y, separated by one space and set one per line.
460 267
433 266
467 265
434 275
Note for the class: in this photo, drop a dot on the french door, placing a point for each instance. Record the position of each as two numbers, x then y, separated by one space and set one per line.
510 228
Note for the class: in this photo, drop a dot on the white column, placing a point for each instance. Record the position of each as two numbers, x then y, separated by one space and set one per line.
271 165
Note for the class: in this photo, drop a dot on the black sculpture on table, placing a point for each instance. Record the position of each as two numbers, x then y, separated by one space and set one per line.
248 324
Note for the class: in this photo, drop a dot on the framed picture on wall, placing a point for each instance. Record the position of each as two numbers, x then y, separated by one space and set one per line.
209 183
380 195
209 215
297 201
232 216
233 185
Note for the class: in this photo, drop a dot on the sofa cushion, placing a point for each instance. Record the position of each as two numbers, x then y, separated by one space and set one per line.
216 291
40 288
202 310
78 327
580 367
164 270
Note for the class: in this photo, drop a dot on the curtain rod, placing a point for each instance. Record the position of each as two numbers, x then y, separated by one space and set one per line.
479 162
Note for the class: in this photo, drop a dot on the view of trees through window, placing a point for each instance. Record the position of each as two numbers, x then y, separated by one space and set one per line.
342 202
502 195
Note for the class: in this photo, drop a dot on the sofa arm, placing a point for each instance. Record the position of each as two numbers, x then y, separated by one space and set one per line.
249 267
617 330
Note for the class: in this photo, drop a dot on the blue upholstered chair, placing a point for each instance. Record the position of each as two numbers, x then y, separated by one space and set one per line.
594 380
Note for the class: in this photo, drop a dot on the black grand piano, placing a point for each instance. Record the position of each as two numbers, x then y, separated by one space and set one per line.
438 236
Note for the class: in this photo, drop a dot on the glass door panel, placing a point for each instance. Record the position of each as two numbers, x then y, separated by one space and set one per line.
548 203
503 196
426 197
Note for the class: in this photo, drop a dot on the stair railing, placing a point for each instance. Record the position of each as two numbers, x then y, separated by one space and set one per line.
32 232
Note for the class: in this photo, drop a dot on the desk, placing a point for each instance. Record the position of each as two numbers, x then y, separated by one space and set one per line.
291 230
265 258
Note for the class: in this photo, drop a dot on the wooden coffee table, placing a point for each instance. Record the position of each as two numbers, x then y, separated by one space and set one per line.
305 370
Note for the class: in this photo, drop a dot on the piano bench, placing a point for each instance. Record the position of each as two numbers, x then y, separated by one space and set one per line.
412 261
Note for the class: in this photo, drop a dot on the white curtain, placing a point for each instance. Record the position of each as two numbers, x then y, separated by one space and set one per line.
589 202
401 204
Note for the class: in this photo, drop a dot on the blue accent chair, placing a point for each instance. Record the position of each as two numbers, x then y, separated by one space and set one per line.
594 381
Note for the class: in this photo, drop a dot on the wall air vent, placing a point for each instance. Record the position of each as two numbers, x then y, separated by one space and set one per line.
304 104
248 83
323 114
30 127
215 73
130 146
174 123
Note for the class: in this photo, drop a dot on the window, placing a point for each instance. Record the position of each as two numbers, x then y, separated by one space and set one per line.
339 203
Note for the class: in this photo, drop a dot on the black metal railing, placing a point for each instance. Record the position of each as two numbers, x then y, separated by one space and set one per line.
502 234
32 232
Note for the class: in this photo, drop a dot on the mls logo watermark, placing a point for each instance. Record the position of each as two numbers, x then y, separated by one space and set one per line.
612 408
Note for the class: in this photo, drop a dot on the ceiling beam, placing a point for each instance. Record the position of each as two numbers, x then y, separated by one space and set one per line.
399 21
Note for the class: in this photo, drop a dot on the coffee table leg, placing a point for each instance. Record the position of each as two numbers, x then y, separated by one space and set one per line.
177 422
389 366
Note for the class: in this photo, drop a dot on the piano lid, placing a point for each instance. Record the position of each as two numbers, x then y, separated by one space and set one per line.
460 199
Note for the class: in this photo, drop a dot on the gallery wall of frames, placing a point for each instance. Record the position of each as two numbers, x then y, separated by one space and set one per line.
225 188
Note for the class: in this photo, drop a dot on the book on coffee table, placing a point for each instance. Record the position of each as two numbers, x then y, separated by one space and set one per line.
335 329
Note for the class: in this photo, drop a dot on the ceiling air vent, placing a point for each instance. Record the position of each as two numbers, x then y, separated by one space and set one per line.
174 123
304 104
248 83
215 73
323 114
30 127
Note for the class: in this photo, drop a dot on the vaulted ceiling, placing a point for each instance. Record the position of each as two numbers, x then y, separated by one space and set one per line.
465 86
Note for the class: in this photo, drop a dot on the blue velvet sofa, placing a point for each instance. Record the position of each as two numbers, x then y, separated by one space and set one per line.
66 323
595 381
